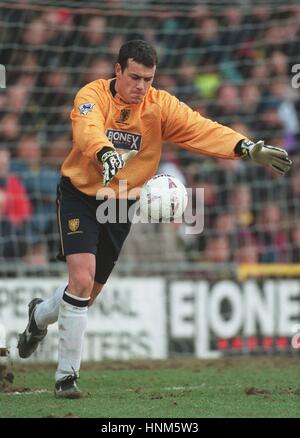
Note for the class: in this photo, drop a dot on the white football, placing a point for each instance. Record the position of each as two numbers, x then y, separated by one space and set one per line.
163 199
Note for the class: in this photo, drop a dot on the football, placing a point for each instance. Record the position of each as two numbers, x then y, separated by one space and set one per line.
163 198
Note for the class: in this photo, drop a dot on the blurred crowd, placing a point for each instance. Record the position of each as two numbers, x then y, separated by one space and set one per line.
233 65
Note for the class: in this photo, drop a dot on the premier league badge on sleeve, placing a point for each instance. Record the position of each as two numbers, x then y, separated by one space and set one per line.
86 108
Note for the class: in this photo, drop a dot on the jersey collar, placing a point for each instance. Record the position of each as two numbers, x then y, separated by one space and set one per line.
115 95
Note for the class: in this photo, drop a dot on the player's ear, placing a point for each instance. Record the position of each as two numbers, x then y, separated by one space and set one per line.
118 70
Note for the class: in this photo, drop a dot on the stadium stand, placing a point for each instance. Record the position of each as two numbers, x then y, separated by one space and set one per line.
233 62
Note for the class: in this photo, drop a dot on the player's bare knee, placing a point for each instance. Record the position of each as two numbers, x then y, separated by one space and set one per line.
81 284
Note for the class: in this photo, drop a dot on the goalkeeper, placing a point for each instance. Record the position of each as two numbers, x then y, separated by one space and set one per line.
110 118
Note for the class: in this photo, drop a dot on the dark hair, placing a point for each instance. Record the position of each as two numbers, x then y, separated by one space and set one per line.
138 50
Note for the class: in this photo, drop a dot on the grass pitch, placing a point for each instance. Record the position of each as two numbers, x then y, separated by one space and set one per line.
181 388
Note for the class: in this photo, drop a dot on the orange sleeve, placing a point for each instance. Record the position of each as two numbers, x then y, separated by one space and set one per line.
88 122
188 129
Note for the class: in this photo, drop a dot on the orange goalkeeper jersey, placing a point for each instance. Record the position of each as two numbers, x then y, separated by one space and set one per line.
100 118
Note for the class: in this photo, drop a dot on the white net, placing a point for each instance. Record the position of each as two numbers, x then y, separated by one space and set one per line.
234 62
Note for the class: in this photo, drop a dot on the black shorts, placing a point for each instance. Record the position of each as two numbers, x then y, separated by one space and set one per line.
80 231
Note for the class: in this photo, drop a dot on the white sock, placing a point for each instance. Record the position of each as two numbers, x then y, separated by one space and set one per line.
47 312
72 320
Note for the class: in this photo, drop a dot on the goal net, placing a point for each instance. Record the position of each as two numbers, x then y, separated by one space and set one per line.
234 62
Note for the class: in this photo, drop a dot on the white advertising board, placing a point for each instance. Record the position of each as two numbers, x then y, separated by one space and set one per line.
127 321
202 311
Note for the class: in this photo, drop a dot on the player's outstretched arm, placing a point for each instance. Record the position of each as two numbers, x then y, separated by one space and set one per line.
267 155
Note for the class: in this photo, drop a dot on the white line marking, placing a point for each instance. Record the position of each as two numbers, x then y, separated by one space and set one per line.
37 391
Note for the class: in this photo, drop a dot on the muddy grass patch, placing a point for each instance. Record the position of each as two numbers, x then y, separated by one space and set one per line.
6 379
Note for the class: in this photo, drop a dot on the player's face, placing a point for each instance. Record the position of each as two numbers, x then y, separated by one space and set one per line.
134 82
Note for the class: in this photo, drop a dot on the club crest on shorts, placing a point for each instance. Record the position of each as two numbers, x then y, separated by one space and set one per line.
85 108
73 224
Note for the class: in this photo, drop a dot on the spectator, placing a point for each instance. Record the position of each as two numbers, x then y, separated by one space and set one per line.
15 210
241 204
40 182
99 67
51 93
250 102
247 253
287 112
295 239
187 89
272 237
294 195
228 105
57 150
91 41
10 129
217 250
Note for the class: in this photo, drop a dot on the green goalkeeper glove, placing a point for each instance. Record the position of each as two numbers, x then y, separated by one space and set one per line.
266 155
